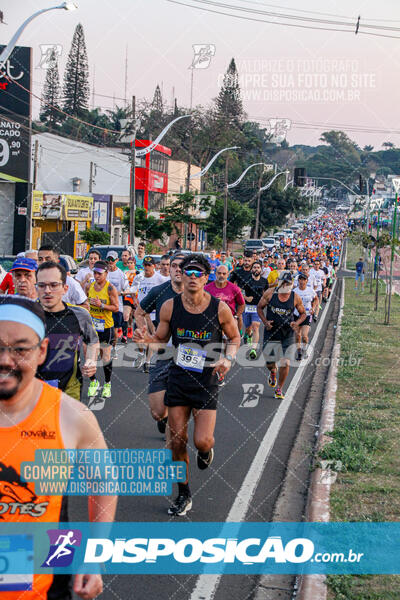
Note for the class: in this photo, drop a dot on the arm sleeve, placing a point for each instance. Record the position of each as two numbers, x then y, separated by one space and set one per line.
148 304
89 334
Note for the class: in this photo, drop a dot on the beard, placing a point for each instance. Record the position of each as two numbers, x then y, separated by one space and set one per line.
6 394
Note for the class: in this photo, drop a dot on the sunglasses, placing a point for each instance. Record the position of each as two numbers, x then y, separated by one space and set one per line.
196 273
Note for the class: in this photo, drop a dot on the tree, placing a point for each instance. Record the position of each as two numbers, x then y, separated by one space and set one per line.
50 107
229 102
239 215
388 145
95 236
147 227
76 76
368 148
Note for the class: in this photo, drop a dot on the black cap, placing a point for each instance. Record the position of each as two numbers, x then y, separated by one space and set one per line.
149 260
302 276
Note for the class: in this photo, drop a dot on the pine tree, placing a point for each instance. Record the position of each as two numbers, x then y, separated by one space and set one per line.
229 102
49 110
157 105
76 76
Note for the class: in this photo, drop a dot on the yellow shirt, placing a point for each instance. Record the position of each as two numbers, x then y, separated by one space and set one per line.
272 277
102 319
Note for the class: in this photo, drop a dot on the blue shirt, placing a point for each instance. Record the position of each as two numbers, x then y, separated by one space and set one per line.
214 264
359 267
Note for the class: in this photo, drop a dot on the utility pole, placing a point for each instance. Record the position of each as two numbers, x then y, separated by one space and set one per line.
387 315
258 204
225 222
35 164
91 177
132 195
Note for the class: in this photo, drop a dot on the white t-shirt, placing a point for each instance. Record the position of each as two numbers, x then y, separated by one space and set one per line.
265 272
75 293
319 277
307 296
118 279
144 284
83 273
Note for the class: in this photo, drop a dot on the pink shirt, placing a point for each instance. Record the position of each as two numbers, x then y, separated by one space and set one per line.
230 294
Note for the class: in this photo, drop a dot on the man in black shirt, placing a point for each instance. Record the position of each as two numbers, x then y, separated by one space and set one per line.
158 373
253 290
242 274
67 327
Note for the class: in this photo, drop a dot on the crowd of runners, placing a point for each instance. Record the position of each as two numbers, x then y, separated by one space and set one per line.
188 315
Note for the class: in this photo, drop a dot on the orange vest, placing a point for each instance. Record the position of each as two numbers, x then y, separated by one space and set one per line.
18 501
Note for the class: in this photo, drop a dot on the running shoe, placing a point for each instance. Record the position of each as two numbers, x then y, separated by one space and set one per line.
93 388
245 338
123 340
279 394
299 354
305 354
203 462
146 367
315 318
106 393
139 360
114 352
272 379
253 354
181 506
162 424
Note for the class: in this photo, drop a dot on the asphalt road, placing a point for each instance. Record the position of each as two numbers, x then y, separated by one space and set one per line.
240 430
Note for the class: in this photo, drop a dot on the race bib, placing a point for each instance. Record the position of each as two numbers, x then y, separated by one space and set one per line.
191 359
98 324
251 308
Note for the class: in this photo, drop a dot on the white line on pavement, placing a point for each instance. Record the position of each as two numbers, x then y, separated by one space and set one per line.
207 585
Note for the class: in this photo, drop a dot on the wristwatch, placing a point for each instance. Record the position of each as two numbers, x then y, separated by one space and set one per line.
230 357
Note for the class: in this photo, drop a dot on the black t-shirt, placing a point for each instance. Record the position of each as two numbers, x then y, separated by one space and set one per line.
156 297
255 288
240 277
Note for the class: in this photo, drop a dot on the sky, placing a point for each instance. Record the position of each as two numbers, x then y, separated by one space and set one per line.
315 80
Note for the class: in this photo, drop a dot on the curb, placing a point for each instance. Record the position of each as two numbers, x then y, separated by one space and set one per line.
313 587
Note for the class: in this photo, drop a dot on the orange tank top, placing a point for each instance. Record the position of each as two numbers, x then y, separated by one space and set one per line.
18 501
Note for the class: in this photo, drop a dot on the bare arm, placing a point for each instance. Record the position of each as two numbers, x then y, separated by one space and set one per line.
265 298
163 331
298 303
229 327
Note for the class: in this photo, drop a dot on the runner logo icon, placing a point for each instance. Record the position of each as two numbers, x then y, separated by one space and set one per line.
251 394
61 552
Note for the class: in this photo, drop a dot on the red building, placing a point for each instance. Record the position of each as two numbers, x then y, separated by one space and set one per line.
151 177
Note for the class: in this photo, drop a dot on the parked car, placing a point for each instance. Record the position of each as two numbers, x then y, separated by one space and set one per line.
73 267
104 249
269 243
288 233
254 245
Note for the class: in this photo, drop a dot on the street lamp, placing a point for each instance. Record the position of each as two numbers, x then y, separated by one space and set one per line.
262 189
214 158
12 43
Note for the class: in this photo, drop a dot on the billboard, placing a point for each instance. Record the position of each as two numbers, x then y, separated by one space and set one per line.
15 115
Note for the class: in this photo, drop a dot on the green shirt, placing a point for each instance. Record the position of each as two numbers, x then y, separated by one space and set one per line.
121 266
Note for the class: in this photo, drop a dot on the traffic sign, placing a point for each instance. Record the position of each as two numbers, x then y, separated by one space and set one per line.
191 237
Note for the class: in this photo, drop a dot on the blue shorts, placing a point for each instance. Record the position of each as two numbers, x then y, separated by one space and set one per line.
360 276
249 318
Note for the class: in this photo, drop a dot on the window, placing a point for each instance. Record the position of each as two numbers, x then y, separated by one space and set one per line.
156 201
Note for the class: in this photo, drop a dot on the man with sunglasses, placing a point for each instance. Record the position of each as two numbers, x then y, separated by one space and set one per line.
195 321
67 327
158 373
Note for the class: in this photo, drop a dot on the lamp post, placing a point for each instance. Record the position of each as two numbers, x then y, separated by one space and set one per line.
12 43
396 185
263 189
229 186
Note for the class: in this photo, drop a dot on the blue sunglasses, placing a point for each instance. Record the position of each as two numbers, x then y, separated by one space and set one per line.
196 273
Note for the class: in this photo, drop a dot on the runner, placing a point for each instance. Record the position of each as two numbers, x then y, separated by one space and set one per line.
196 321
320 279
74 294
86 273
214 262
253 291
128 301
279 327
24 278
123 263
158 373
140 256
242 274
103 300
165 267
228 292
117 278
67 327
310 302
143 283
27 404
275 273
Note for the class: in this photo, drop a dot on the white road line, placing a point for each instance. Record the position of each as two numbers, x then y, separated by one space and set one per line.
207 585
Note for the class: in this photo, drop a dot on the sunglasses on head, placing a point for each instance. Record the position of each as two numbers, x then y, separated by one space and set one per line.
196 272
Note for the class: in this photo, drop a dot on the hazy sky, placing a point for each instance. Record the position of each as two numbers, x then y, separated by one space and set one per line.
346 80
